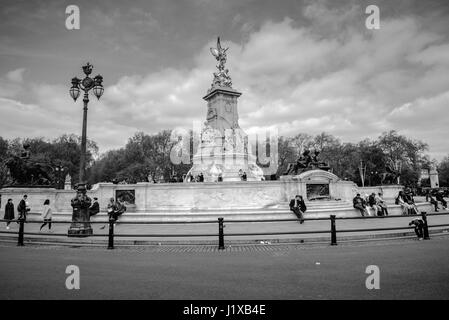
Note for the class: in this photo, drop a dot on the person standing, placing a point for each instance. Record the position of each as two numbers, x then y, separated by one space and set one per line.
9 213
298 206
46 215
23 208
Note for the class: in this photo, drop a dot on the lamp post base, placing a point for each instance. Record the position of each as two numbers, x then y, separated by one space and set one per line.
80 226
78 229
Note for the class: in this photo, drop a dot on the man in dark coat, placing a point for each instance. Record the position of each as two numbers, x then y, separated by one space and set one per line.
298 207
94 208
23 208
440 197
419 227
360 204
9 212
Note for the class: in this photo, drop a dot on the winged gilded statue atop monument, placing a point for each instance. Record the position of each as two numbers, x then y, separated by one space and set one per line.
221 78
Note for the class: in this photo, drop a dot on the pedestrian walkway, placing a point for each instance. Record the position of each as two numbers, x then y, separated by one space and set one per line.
234 233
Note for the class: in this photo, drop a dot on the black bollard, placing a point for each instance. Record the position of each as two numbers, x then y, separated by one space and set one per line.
333 231
21 228
111 234
425 226
220 234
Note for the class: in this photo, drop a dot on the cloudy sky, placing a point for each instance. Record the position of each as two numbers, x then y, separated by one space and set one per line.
302 66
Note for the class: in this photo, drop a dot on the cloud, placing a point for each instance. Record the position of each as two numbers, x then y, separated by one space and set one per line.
327 73
16 75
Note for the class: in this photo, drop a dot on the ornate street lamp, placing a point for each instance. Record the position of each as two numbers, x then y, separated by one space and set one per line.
80 226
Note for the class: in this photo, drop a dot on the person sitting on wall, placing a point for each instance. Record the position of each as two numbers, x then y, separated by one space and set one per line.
94 208
413 209
112 207
440 197
360 204
298 206
244 176
200 177
402 201
120 208
373 205
381 204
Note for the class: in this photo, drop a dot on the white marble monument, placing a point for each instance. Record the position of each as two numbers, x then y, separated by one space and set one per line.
223 147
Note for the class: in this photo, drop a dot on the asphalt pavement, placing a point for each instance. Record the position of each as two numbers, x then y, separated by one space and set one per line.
408 269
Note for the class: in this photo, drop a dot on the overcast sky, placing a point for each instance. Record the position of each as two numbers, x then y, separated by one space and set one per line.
302 66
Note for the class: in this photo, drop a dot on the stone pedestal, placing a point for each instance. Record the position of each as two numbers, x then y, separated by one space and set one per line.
80 226
224 149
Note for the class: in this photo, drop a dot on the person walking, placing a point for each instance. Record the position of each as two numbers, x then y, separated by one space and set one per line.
9 213
46 215
298 206
23 208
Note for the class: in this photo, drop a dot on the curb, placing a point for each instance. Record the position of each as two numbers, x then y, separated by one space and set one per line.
103 242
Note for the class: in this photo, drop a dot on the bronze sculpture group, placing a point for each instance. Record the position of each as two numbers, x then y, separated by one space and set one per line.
306 162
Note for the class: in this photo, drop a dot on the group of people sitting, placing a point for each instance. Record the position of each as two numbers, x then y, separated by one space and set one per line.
115 209
190 178
407 203
373 203
438 196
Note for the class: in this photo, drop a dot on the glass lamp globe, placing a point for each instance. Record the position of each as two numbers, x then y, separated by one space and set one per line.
98 91
74 93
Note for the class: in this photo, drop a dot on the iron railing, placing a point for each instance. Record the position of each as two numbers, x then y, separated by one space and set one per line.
221 235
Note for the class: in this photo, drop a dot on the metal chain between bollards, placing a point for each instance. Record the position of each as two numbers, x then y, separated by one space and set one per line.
220 234
333 231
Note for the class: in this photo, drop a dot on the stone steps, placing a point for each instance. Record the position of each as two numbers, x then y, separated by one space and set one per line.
241 214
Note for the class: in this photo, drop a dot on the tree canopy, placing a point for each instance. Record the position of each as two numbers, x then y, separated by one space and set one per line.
147 155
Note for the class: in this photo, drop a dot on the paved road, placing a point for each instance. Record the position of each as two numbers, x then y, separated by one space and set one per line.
231 228
409 269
